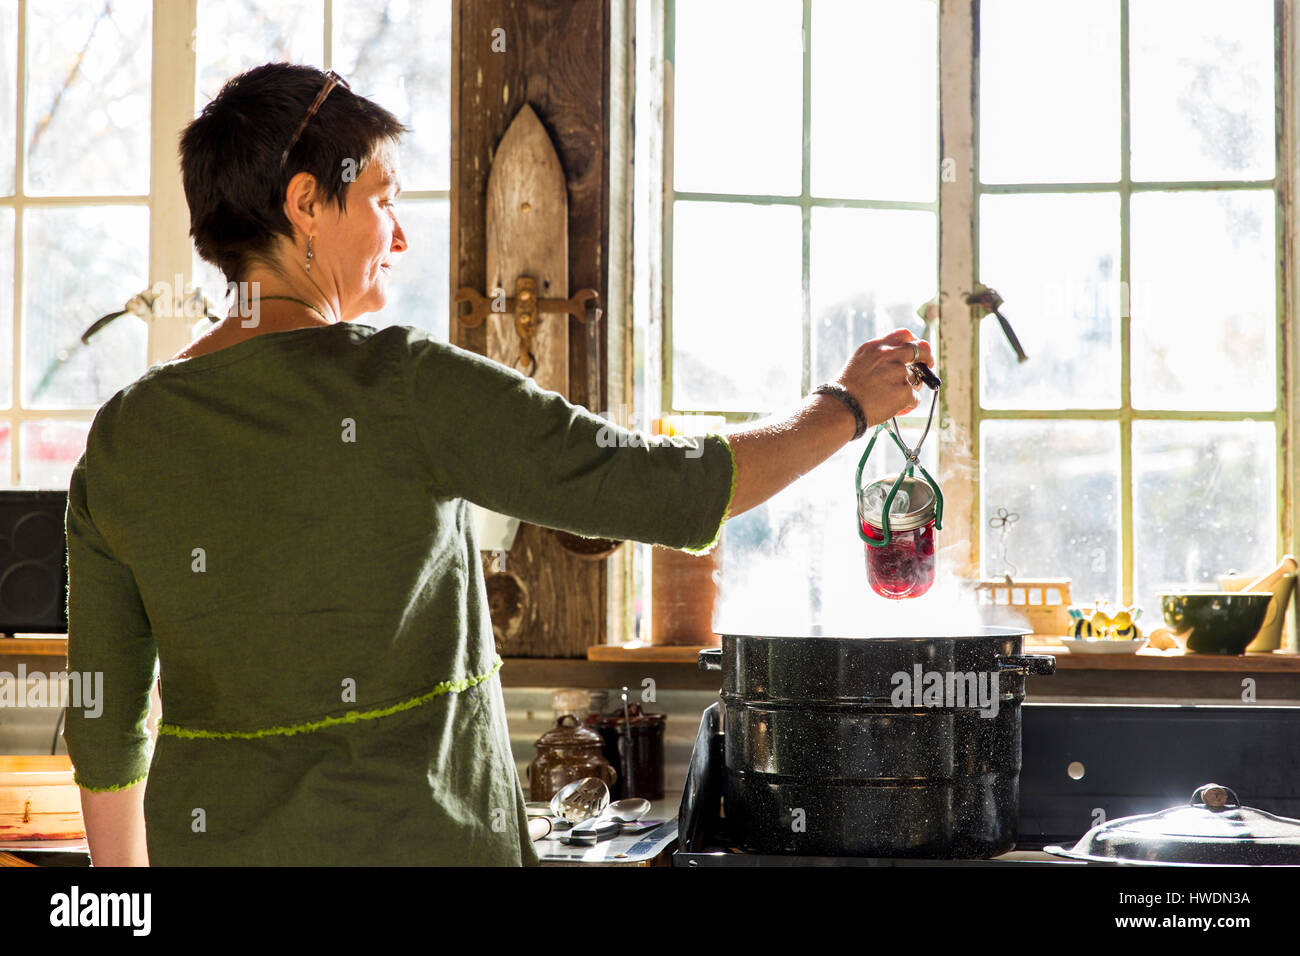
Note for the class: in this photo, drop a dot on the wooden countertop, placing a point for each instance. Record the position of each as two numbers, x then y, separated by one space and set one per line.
1160 676
1144 660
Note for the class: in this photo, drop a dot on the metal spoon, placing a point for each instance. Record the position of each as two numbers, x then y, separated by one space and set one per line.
629 810
581 800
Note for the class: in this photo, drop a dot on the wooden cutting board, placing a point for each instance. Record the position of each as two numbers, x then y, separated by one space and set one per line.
528 235
549 603
38 799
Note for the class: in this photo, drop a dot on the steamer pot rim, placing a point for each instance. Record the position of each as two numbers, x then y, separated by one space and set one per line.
990 632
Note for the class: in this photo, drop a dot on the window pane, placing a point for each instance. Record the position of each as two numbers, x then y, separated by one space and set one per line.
1055 259
88 97
375 45
6 455
8 94
417 291
1049 103
6 308
237 35
1204 503
1201 89
1062 481
866 145
80 264
50 449
736 306
1204 300
871 270
738 98
213 283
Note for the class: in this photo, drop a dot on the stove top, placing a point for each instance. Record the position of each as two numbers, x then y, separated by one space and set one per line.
1082 764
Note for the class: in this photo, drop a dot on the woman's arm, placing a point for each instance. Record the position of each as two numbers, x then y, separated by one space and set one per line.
773 453
109 636
493 437
115 826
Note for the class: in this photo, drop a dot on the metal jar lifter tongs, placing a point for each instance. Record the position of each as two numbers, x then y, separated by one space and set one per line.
921 374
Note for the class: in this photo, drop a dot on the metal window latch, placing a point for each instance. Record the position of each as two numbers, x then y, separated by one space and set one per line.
989 301
525 306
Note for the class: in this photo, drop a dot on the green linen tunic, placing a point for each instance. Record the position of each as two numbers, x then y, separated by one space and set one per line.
280 529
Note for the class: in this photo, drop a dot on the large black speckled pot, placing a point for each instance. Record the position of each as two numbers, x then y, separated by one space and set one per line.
827 754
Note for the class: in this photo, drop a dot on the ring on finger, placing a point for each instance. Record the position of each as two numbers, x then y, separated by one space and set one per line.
916 351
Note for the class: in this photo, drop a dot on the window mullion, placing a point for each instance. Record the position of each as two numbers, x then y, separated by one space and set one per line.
959 424
172 69
805 378
1125 320
1285 88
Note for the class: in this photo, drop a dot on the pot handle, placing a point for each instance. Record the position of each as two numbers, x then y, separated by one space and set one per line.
710 659
1024 664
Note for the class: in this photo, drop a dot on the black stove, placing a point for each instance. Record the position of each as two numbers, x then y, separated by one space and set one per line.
1082 764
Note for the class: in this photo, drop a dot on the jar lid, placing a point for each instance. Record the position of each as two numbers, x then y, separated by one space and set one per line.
568 732
1214 828
912 507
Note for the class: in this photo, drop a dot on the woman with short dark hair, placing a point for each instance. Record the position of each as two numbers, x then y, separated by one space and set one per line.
279 519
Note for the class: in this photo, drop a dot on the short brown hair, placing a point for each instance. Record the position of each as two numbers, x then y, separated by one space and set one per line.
230 158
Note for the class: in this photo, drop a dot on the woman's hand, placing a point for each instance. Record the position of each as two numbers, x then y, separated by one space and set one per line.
877 375
773 453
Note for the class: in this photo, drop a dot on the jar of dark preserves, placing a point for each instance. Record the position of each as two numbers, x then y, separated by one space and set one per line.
903 566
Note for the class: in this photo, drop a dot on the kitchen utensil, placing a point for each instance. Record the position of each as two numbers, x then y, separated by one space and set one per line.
629 810
1214 622
897 521
591 832
989 301
581 800
1280 582
1214 829
566 753
819 724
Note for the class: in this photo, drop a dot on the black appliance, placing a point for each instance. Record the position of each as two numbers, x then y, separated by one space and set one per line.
1081 764
33 562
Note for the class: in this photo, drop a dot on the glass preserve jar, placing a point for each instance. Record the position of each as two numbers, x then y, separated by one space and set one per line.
902 567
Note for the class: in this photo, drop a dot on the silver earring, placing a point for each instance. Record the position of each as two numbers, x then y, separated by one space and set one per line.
309 252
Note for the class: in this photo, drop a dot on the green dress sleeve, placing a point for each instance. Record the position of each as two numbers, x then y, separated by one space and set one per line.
494 437
111 646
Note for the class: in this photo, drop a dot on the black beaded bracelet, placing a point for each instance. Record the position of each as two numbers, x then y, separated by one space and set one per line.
843 394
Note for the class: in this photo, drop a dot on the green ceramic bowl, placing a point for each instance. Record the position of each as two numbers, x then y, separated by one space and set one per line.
1214 622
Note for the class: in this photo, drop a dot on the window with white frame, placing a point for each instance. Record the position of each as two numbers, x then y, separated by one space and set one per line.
82 213
1126 205
1129 213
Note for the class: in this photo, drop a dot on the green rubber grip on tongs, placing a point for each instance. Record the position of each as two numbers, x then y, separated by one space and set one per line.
889 498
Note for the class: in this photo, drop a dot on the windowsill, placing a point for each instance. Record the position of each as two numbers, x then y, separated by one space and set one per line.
1147 676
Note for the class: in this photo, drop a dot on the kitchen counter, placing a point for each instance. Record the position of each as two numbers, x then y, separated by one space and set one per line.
1149 676
1156 676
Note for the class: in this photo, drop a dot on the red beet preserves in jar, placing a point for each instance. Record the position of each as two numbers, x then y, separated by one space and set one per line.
903 568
